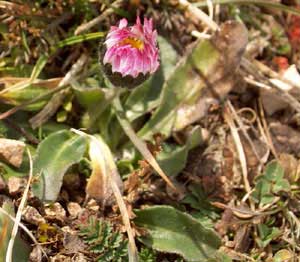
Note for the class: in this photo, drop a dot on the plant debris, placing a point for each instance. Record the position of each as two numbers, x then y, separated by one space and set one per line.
198 162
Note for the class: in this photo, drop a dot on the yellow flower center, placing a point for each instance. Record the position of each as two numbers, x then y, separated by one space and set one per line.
134 42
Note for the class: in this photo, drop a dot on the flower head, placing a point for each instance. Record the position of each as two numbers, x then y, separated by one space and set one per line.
132 51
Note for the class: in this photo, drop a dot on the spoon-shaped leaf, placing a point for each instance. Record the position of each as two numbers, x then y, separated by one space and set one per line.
176 232
54 156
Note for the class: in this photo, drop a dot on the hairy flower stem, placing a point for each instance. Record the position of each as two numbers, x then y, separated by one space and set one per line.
139 144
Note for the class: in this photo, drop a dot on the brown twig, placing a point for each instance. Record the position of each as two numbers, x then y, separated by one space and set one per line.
31 139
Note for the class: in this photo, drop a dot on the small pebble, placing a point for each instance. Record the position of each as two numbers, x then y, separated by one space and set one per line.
74 209
55 212
16 185
32 216
35 255
92 205
71 242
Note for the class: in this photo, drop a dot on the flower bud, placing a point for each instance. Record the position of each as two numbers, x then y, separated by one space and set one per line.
130 54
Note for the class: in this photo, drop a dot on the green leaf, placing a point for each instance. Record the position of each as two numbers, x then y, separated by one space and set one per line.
147 255
172 159
103 240
274 171
146 97
3 28
182 96
97 102
198 200
79 39
87 97
267 234
220 257
181 86
54 156
271 183
61 116
49 128
8 172
19 96
39 66
137 142
176 232
24 41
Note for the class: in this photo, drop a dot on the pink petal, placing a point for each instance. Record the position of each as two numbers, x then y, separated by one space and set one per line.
126 58
123 23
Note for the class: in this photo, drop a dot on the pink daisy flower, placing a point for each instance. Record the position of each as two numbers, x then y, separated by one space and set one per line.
132 50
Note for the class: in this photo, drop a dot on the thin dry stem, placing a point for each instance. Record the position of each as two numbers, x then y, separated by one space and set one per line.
210 7
256 83
87 26
19 213
200 35
243 128
250 111
133 253
199 14
265 129
259 70
54 103
240 150
139 144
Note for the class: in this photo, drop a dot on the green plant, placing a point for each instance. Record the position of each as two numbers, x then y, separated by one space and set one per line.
147 255
102 240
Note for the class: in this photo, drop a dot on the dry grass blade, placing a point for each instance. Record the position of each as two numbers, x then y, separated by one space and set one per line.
6 4
256 83
132 250
210 6
200 35
32 101
265 130
239 147
133 254
24 82
98 185
57 99
85 27
258 70
243 128
111 171
199 14
19 213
